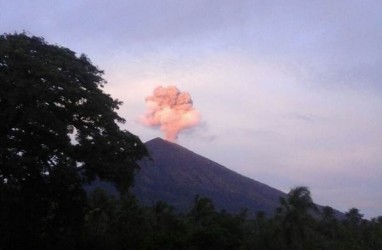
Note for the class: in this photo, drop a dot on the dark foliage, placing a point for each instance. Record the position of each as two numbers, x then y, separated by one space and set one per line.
58 130
202 227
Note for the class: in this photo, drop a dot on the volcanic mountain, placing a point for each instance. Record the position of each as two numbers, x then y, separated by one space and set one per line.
176 175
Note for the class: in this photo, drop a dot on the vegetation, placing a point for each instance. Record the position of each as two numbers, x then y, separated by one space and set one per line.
203 227
59 131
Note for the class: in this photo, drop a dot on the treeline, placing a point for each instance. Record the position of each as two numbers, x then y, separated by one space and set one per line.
113 223
109 222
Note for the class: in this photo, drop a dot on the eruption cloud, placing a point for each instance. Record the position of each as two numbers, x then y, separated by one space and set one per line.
171 110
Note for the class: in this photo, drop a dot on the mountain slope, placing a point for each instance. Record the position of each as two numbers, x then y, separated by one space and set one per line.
175 175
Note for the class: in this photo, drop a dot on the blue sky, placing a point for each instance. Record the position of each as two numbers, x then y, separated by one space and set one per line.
290 92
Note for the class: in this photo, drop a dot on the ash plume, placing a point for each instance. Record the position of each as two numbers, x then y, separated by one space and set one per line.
171 110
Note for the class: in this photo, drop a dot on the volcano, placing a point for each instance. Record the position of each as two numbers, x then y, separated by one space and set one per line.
175 175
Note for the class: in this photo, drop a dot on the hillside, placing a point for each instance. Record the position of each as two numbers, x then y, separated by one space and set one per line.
175 175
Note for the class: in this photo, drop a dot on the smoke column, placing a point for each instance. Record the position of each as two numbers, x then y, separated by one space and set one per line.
171 110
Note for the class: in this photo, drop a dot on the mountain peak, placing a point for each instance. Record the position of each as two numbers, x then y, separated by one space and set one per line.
175 174
158 141
155 140
159 144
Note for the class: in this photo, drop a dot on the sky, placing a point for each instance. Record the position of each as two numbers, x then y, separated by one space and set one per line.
289 92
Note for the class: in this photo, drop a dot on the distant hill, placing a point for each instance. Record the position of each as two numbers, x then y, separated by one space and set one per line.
175 175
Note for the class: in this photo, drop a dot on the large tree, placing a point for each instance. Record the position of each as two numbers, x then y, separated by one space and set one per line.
58 130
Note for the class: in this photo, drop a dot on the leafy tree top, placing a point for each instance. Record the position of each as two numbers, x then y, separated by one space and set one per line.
54 114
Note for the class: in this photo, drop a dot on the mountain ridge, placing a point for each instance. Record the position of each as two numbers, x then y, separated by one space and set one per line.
175 174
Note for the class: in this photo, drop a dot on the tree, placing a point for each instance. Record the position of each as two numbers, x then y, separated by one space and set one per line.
353 217
202 211
167 230
58 131
112 223
354 226
294 215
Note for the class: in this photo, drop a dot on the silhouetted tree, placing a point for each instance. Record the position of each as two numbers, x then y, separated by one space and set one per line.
295 216
353 217
202 211
374 233
58 130
209 229
167 230
353 227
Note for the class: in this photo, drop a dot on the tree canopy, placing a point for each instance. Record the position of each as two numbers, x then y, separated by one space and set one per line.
46 94
58 131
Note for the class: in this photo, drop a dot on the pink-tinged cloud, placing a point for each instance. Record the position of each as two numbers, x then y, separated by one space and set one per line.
171 110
